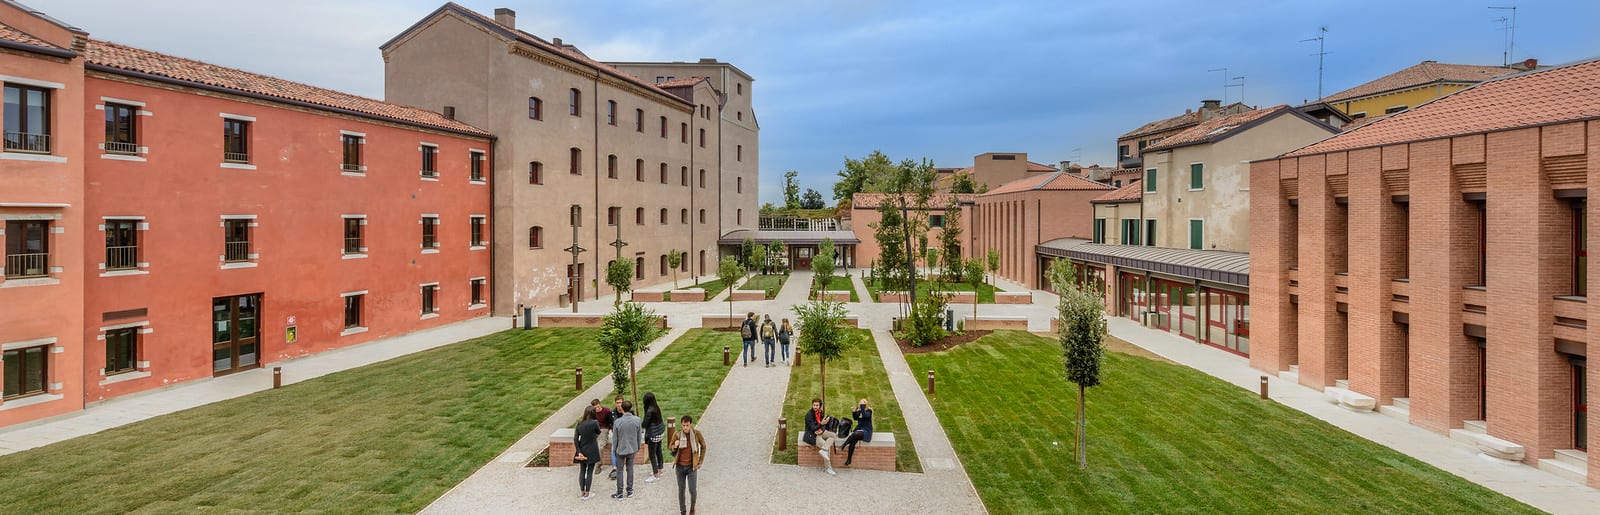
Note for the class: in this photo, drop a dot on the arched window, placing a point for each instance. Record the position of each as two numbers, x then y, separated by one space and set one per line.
638 170
535 172
663 216
638 268
683 176
576 155
663 264
738 184
638 120
575 102
638 216
663 173
535 108
663 126
611 166
702 177
611 112
683 132
702 138
535 237
683 216
738 153
702 216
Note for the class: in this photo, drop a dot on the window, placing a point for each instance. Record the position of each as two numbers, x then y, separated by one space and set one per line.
1150 180
477 291
936 221
1150 233
477 230
638 268
430 161
738 153
664 264
663 216
575 158
638 216
611 112
663 127
738 88
683 132
613 215
663 174
1197 234
535 108
1580 249
574 102
1403 233
1142 145
353 243
702 177
683 216
352 311
702 138
611 166
1477 212
683 176
1122 151
477 166
638 170
638 120
1358 116
430 294
739 115
122 348
535 237
1130 232
122 244
738 216
1580 404
1394 109
26 370
236 240
430 232
1099 230
738 184
1197 176
27 119
702 216
352 152
1116 183
122 133
235 141
575 215
535 172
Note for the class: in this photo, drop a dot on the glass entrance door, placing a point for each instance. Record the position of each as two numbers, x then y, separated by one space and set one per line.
235 333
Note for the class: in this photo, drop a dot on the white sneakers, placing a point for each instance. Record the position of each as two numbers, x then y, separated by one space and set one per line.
827 462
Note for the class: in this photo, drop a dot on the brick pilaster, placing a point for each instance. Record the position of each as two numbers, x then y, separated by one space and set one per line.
1269 296
1443 360
1322 346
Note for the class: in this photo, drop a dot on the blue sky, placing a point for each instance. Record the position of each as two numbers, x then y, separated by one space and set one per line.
944 80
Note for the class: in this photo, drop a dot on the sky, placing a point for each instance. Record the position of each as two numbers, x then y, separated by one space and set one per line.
942 80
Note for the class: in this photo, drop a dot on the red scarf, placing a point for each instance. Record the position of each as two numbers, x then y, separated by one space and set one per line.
818 415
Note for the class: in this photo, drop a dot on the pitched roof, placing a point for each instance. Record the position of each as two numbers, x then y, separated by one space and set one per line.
1036 167
873 200
1218 129
1549 95
1129 192
678 83
1054 181
114 57
1426 72
12 34
1176 122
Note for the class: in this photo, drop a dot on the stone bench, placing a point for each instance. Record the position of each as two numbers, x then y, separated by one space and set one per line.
649 296
583 320
689 295
893 296
1349 400
721 320
836 296
996 322
562 448
739 295
963 297
877 454
1013 297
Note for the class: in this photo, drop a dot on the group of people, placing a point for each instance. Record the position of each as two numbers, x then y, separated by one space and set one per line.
625 431
823 430
770 334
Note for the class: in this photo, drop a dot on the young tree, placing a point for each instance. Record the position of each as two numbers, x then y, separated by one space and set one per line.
822 264
757 260
962 182
777 253
791 190
950 240
974 277
729 271
746 248
624 333
619 274
823 334
1082 334
890 233
932 260
674 260
768 208
994 261
812 200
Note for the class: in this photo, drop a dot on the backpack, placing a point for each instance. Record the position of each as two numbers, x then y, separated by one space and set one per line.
844 426
767 331
746 331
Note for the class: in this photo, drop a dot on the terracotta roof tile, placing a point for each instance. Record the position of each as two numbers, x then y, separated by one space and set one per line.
1175 122
132 59
1036 167
1544 96
10 33
1426 72
1218 128
1130 192
679 83
873 200
1055 181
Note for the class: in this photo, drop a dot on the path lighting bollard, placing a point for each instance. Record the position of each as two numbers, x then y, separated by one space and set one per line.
930 382
783 434
277 377
513 321
580 378
797 357
725 361
1263 387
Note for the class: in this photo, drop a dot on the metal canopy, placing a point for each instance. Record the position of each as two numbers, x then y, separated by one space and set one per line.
1209 265
789 237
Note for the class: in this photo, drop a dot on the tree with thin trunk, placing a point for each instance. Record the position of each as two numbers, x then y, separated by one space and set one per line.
624 333
674 260
822 264
1082 334
994 262
974 277
619 274
729 271
822 334
757 261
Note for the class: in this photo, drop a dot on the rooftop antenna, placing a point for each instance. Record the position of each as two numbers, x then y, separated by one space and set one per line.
1322 36
1236 82
1510 28
1224 71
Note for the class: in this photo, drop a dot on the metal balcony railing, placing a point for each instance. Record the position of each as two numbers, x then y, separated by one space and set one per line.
430 173
351 167
27 142
352 245
122 258
236 157
119 147
236 251
22 266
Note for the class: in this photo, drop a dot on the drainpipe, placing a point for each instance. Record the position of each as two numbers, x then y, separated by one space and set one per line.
594 101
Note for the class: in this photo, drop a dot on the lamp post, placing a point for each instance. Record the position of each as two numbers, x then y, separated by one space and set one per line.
572 277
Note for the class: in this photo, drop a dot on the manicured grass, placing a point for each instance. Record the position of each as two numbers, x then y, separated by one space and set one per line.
686 375
712 287
840 283
857 374
769 283
1164 438
985 292
388 437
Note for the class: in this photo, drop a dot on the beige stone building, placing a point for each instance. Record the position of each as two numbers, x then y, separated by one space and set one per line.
585 148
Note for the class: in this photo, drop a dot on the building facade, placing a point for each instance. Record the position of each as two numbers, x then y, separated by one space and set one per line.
1413 85
588 155
1021 214
1435 262
864 218
1131 145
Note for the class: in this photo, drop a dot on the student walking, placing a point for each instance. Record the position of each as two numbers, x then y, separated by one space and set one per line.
625 431
688 450
785 334
654 429
586 438
769 338
863 433
747 331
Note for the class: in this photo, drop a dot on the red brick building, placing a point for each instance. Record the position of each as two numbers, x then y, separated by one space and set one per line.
183 202
1019 215
1435 263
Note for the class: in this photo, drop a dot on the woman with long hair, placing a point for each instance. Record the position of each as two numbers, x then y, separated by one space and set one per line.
785 335
863 433
586 438
654 428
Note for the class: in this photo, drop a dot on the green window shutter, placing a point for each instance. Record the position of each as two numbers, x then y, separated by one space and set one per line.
1197 230
1099 230
1197 176
1150 180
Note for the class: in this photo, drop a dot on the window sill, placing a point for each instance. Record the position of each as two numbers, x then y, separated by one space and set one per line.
1193 189
1477 288
29 401
426 177
124 376
1573 298
353 174
353 256
122 157
121 273
477 306
35 281
238 166
478 182
430 251
353 330
477 247
45 158
242 264
1402 279
426 316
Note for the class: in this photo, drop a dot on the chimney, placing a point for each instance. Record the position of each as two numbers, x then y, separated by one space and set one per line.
1064 165
1209 108
557 42
708 60
1525 65
506 17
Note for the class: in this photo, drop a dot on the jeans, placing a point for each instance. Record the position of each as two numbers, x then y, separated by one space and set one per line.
624 465
685 474
749 348
767 343
586 474
655 456
785 352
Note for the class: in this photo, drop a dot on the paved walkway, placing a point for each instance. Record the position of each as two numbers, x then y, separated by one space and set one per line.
133 408
738 476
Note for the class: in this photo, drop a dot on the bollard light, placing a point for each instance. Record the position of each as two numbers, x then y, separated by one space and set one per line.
783 433
725 359
277 377
930 382
579 375
1263 387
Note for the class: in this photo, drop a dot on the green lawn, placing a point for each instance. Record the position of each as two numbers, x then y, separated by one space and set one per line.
857 374
387 437
712 287
1164 438
686 375
841 283
985 292
769 283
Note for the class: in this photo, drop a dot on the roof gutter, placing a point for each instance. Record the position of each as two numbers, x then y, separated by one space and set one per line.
53 52
280 100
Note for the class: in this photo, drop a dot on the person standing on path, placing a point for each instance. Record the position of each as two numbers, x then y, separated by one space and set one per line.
769 338
616 412
587 440
785 335
602 415
863 433
654 429
747 331
818 434
688 451
625 432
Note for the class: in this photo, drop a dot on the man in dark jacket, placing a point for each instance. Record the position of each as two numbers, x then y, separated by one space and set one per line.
747 332
817 434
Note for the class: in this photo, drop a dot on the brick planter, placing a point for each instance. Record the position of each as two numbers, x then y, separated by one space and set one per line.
739 295
649 296
562 448
836 296
997 322
1013 297
877 454
892 296
689 295
721 320
963 297
852 321
582 320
